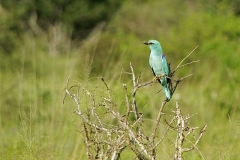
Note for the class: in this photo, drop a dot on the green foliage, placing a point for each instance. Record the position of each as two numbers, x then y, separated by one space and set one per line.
34 124
79 17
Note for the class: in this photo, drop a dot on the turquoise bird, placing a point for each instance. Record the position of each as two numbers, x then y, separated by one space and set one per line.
159 66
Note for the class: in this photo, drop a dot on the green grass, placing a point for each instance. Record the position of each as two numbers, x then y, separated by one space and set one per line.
35 124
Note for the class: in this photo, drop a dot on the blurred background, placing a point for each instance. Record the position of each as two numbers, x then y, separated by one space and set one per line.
42 43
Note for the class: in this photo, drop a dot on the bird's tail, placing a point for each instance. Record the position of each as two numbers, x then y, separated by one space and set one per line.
167 92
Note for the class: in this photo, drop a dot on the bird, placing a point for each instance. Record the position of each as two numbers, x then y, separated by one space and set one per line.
159 66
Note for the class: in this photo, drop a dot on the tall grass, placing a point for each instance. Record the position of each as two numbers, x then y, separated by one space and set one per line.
33 120
35 124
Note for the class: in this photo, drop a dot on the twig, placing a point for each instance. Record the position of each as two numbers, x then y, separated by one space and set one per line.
79 112
188 63
139 154
161 139
65 88
134 105
135 139
177 82
197 141
178 66
93 108
107 141
182 127
186 77
158 119
139 76
127 101
89 154
151 98
153 136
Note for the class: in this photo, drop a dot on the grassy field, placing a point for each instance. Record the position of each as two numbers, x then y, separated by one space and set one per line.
35 124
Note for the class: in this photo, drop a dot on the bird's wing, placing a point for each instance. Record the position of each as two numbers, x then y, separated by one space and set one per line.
165 65
166 69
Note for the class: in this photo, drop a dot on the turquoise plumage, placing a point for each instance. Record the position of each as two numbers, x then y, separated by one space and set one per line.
159 65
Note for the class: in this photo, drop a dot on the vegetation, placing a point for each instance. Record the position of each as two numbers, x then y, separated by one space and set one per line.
40 47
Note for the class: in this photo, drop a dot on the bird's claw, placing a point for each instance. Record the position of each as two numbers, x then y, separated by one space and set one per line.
158 77
155 79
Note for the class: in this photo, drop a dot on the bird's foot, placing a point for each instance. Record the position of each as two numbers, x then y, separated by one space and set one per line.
155 79
158 77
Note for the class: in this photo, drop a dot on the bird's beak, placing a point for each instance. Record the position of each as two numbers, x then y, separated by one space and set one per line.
146 43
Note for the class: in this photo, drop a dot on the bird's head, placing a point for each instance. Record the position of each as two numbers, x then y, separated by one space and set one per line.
153 45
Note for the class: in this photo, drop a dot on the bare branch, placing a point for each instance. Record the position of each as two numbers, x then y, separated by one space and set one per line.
153 136
87 141
178 66
188 63
197 141
104 140
93 108
160 113
161 139
66 87
127 101
182 127
79 112
177 82
134 105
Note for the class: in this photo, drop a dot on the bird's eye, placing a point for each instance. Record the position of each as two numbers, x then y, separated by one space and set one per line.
150 43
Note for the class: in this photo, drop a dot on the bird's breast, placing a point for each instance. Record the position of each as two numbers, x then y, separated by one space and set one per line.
156 63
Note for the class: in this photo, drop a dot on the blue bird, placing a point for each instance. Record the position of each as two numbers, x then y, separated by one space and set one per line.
159 66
